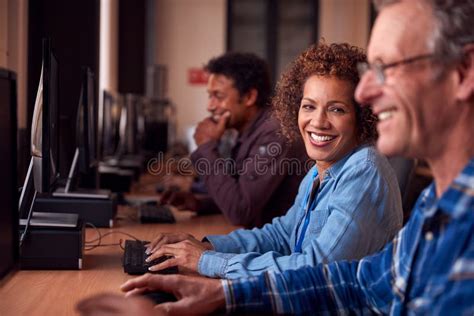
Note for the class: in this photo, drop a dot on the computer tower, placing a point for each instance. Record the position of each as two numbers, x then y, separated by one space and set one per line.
55 248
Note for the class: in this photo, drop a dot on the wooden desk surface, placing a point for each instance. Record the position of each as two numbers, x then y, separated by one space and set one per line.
57 292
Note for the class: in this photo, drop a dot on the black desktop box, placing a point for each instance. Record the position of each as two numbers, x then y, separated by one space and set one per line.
115 179
99 212
131 163
55 248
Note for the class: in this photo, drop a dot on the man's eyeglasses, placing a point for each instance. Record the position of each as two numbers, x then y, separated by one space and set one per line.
378 67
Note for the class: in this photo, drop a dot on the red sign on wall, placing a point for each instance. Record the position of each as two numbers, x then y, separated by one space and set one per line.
197 76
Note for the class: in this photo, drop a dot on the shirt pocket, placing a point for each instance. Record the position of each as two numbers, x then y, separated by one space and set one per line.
319 217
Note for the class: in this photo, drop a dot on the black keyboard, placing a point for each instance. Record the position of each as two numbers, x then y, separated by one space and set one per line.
134 259
155 214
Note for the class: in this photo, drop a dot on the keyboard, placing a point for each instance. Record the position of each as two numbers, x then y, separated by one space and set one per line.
155 214
134 259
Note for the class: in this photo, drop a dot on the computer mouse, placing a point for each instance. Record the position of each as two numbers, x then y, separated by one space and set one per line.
160 188
160 297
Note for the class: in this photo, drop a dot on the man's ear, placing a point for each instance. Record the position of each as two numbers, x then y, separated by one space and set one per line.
250 98
466 70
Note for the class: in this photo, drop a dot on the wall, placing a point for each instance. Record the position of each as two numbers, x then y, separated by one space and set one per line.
18 47
188 34
3 32
131 46
108 79
13 47
344 21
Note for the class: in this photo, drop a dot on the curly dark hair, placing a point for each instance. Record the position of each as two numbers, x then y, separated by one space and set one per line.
338 60
248 72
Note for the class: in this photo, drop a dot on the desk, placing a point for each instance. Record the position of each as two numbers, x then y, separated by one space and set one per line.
57 292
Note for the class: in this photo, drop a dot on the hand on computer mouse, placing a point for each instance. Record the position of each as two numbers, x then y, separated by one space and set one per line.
112 304
195 295
182 200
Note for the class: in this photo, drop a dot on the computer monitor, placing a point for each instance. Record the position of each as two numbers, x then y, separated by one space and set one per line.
43 169
86 123
8 186
92 113
132 125
44 131
111 116
159 123
85 156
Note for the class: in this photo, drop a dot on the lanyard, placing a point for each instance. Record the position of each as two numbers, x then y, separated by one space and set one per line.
309 201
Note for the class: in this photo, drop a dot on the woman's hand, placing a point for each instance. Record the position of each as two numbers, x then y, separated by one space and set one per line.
172 238
185 255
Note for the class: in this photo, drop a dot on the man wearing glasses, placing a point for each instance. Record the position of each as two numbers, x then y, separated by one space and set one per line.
420 84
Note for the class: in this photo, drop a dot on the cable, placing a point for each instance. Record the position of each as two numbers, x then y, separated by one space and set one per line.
89 243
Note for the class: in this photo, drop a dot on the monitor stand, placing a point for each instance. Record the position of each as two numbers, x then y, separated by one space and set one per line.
97 207
83 193
98 212
43 219
68 192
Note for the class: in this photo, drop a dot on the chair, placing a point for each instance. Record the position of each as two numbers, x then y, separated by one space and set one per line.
404 170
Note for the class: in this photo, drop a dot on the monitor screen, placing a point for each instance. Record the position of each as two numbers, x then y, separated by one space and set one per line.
86 123
8 185
110 124
132 102
44 131
92 118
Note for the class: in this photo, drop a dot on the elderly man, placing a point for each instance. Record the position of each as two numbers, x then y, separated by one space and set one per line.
420 83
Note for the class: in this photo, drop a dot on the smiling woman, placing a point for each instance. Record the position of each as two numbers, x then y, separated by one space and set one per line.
347 206
337 61
315 100
327 120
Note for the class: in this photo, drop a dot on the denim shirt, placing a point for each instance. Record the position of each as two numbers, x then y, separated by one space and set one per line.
428 269
357 211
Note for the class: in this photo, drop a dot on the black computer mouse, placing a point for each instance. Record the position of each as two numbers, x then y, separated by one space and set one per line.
160 297
160 188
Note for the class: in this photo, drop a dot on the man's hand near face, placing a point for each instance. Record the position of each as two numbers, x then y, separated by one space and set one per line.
209 129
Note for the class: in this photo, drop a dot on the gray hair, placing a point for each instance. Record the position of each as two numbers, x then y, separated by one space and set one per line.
453 26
